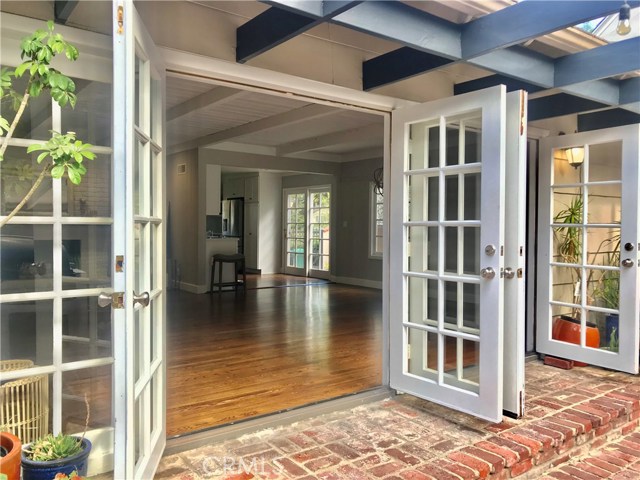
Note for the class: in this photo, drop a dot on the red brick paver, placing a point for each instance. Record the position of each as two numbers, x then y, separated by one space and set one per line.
580 424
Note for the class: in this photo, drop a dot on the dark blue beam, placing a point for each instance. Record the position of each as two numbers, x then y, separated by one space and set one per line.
492 81
602 62
560 104
527 20
615 117
403 63
275 26
62 10
630 91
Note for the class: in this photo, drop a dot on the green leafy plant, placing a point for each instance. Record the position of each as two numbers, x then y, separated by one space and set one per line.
64 154
52 447
613 340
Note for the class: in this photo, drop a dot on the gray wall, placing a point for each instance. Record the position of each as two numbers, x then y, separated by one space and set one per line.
352 258
350 204
182 195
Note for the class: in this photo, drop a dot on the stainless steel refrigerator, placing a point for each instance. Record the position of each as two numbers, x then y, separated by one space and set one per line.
233 220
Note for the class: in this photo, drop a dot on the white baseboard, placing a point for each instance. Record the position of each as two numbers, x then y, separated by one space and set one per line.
359 282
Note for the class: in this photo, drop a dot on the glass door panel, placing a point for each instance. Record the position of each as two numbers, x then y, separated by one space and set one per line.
446 207
589 240
319 233
295 233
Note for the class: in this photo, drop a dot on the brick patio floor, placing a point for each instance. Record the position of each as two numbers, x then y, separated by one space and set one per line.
578 424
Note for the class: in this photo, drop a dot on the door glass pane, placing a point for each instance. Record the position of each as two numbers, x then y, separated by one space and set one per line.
471 306
422 354
26 258
603 246
18 172
563 173
36 120
568 205
471 245
92 198
91 117
138 359
139 85
453 145
472 141
605 162
86 330
451 249
26 331
90 386
423 301
154 257
138 257
451 197
153 191
604 203
156 108
471 186
423 198
565 286
422 249
462 364
86 256
603 331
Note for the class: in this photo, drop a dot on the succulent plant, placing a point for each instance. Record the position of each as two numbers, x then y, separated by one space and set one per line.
52 447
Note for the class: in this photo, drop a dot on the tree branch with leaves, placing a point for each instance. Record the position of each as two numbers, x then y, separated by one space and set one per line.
62 154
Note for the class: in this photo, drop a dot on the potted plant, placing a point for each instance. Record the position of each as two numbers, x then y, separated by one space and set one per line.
607 293
52 455
10 448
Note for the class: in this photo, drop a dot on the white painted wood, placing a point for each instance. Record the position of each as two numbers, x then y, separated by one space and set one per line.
213 186
626 359
251 235
312 272
314 143
487 402
216 96
270 218
514 251
251 192
139 139
291 117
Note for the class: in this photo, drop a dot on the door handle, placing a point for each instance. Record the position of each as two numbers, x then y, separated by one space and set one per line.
627 262
142 299
508 273
113 300
487 273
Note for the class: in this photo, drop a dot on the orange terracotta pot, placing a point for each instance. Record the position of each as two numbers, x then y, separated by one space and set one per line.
10 464
567 329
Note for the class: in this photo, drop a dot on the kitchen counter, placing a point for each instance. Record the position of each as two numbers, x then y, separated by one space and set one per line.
226 246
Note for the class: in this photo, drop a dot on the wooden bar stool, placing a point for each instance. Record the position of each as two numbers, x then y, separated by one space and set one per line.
238 266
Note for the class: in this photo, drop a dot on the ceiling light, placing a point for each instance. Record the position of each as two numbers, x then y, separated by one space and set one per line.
624 20
575 156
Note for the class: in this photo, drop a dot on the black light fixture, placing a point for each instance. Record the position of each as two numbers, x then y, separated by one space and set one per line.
624 20
378 175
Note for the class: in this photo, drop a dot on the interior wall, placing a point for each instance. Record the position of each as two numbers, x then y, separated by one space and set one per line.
270 229
354 229
182 197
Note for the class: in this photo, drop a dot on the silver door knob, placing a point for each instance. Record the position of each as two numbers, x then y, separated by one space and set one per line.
508 272
487 273
627 262
104 300
142 299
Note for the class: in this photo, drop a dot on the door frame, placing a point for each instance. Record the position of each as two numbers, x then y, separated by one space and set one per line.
285 269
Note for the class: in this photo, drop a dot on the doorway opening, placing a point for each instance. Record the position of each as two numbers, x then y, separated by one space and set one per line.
307 325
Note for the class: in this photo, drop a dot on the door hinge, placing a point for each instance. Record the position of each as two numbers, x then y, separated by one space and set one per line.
120 30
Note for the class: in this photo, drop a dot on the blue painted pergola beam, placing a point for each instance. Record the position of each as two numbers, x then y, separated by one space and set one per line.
277 25
560 104
62 10
614 117
527 20
404 61
602 62
492 81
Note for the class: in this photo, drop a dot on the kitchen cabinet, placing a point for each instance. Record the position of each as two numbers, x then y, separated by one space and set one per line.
233 188
251 189
212 187
251 225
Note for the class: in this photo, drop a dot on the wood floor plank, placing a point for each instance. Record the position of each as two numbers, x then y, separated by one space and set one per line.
233 356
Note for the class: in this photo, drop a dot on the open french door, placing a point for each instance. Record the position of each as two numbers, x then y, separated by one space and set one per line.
139 244
588 262
447 249
295 231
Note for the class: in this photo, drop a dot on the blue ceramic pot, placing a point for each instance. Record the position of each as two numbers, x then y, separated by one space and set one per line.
35 470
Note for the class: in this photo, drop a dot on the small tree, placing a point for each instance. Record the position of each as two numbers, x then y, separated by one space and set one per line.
64 154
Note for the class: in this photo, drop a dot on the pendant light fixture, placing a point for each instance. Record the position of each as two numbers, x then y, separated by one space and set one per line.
575 156
624 20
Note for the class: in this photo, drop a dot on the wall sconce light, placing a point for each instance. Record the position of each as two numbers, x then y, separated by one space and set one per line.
624 19
575 156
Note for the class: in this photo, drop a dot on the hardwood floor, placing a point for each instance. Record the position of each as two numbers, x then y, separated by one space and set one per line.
234 356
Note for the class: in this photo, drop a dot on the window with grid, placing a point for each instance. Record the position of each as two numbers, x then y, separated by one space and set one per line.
376 223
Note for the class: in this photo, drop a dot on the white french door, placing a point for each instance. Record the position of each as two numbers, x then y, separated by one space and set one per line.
295 231
307 231
588 299
139 242
447 249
